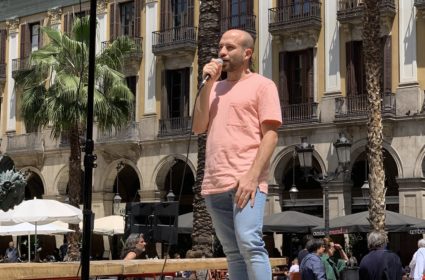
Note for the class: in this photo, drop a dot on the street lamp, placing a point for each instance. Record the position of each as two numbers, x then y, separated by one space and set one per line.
171 196
305 152
117 198
365 190
365 187
293 191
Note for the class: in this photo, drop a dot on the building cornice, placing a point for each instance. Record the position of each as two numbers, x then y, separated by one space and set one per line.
12 25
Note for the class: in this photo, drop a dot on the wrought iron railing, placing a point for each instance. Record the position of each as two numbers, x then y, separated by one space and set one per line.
24 142
20 64
420 4
123 134
174 37
137 46
357 105
174 126
289 14
298 113
244 22
355 7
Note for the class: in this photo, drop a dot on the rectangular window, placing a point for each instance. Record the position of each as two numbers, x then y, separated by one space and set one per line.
35 36
3 35
127 19
179 11
356 78
177 84
238 12
296 77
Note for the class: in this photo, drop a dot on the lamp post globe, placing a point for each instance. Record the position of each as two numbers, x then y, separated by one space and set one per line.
305 153
343 151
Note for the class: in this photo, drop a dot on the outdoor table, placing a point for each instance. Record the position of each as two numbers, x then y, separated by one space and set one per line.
107 268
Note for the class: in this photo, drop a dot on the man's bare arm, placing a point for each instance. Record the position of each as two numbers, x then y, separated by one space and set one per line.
201 115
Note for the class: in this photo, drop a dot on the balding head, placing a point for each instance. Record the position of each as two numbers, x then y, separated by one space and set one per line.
244 38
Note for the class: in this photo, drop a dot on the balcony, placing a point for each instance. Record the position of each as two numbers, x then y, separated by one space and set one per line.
244 22
290 19
19 64
131 60
176 40
357 106
300 113
24 143
351 11
174 126
130 133
420 5
26 149
2 74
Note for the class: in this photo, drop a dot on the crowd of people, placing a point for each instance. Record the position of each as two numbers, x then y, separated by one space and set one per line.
319 260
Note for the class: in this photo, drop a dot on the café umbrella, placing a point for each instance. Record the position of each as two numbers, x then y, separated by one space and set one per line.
41 212
29 229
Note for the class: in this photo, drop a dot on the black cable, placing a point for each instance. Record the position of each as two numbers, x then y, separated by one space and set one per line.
184 175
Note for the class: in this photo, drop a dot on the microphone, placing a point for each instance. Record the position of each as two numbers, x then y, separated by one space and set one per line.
207 77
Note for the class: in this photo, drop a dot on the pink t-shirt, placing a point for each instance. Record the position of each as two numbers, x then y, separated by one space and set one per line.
237 110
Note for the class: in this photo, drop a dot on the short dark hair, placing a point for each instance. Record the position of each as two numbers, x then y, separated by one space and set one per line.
314 244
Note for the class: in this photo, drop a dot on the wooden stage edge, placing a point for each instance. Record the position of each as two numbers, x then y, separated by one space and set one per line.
72 270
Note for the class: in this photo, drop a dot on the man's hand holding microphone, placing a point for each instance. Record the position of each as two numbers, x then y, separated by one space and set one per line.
212 70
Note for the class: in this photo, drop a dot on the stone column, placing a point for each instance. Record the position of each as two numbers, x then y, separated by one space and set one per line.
332 62
409 97
10 98
411 196
101 36
149 196
150 59
264 39
339 198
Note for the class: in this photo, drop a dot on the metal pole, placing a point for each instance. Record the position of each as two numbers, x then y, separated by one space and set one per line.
326 190
89 158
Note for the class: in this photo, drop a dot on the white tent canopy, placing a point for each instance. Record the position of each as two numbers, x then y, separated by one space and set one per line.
41 212
28 229
109 225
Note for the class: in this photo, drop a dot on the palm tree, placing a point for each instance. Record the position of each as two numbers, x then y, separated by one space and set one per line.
372 55
208 37
55 94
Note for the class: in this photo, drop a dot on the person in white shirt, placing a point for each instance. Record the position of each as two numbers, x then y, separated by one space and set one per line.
417 265
294 267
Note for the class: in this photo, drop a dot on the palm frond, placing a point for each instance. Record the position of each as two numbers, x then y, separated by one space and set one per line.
116 51
54 36
81 29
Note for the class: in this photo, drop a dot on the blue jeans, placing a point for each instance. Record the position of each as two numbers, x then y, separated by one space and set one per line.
240 233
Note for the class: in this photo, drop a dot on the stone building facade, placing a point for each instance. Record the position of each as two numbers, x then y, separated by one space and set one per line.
310 48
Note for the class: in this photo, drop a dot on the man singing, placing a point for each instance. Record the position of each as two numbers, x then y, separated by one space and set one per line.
241 116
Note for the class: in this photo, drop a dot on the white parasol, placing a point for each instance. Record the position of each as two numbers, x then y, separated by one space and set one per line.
29 229
40 212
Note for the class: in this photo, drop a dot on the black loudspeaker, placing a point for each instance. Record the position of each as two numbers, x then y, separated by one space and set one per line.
158 221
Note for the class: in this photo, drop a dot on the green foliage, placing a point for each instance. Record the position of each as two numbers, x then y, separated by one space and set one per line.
55 87
12 189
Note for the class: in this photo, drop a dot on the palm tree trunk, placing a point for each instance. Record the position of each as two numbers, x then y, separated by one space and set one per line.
208 37
74 190
372 55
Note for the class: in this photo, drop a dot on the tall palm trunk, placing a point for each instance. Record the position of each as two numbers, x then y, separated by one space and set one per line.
74 190
372 55
208 37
